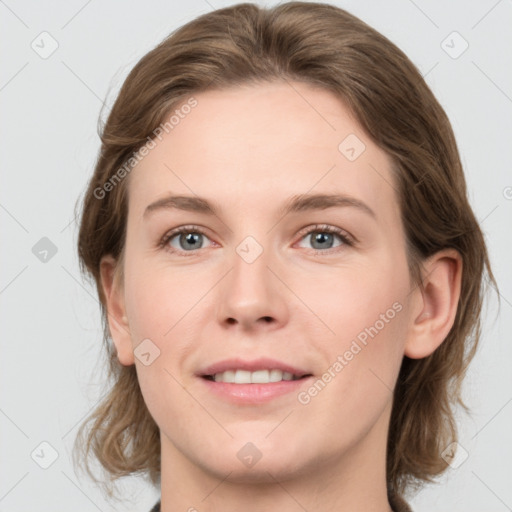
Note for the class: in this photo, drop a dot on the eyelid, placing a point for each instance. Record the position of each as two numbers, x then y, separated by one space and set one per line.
346 238
190 228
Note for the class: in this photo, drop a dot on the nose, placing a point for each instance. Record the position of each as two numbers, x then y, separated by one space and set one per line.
252 296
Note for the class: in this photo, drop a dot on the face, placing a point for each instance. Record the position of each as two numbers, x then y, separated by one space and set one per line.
321 288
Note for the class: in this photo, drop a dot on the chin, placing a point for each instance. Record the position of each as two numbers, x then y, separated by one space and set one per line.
255 461
262 472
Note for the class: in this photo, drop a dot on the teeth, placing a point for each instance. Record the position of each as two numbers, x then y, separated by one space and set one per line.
257 377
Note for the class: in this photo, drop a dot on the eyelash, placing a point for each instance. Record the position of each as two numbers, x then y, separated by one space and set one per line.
317 228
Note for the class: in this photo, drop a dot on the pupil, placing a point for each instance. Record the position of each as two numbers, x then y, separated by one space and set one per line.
321 237
192 239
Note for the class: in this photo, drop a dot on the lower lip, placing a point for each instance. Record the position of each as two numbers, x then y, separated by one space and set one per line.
253 393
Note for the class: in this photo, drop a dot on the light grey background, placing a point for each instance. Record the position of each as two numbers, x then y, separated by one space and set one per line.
50 365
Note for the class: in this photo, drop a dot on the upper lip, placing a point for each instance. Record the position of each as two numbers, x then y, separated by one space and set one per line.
263 363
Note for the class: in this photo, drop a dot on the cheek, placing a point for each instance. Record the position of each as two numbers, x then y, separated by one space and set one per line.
364 362
167 306
149 311
357 300
159 311
157 297
367 311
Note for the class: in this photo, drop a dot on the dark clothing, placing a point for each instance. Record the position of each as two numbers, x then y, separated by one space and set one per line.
397 503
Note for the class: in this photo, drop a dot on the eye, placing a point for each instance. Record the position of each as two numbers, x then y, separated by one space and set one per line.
187 239
322 237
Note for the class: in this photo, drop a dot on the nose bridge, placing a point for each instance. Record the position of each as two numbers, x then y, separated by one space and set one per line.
251 293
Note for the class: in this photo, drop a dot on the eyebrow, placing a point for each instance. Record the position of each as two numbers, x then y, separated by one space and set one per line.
301 203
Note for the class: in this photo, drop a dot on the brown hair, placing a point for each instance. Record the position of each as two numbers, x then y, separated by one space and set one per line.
326 46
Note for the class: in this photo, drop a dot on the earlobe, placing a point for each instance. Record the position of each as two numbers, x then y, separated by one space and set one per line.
437 304
116 311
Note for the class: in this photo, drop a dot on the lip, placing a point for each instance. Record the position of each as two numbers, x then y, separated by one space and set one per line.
263 363
253 394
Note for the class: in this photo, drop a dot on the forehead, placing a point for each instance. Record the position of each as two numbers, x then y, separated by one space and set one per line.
255 145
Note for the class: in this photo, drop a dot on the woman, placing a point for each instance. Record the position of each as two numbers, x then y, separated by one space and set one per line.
288 267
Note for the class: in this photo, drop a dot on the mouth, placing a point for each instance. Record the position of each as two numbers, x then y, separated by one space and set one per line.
250 382
237 376
250 388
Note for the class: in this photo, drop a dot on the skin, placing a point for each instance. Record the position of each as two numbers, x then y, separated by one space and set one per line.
248 149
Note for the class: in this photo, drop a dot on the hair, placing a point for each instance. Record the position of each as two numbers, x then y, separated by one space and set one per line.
324 46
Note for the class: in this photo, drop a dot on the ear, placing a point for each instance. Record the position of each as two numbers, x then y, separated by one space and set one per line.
117 319
435 304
